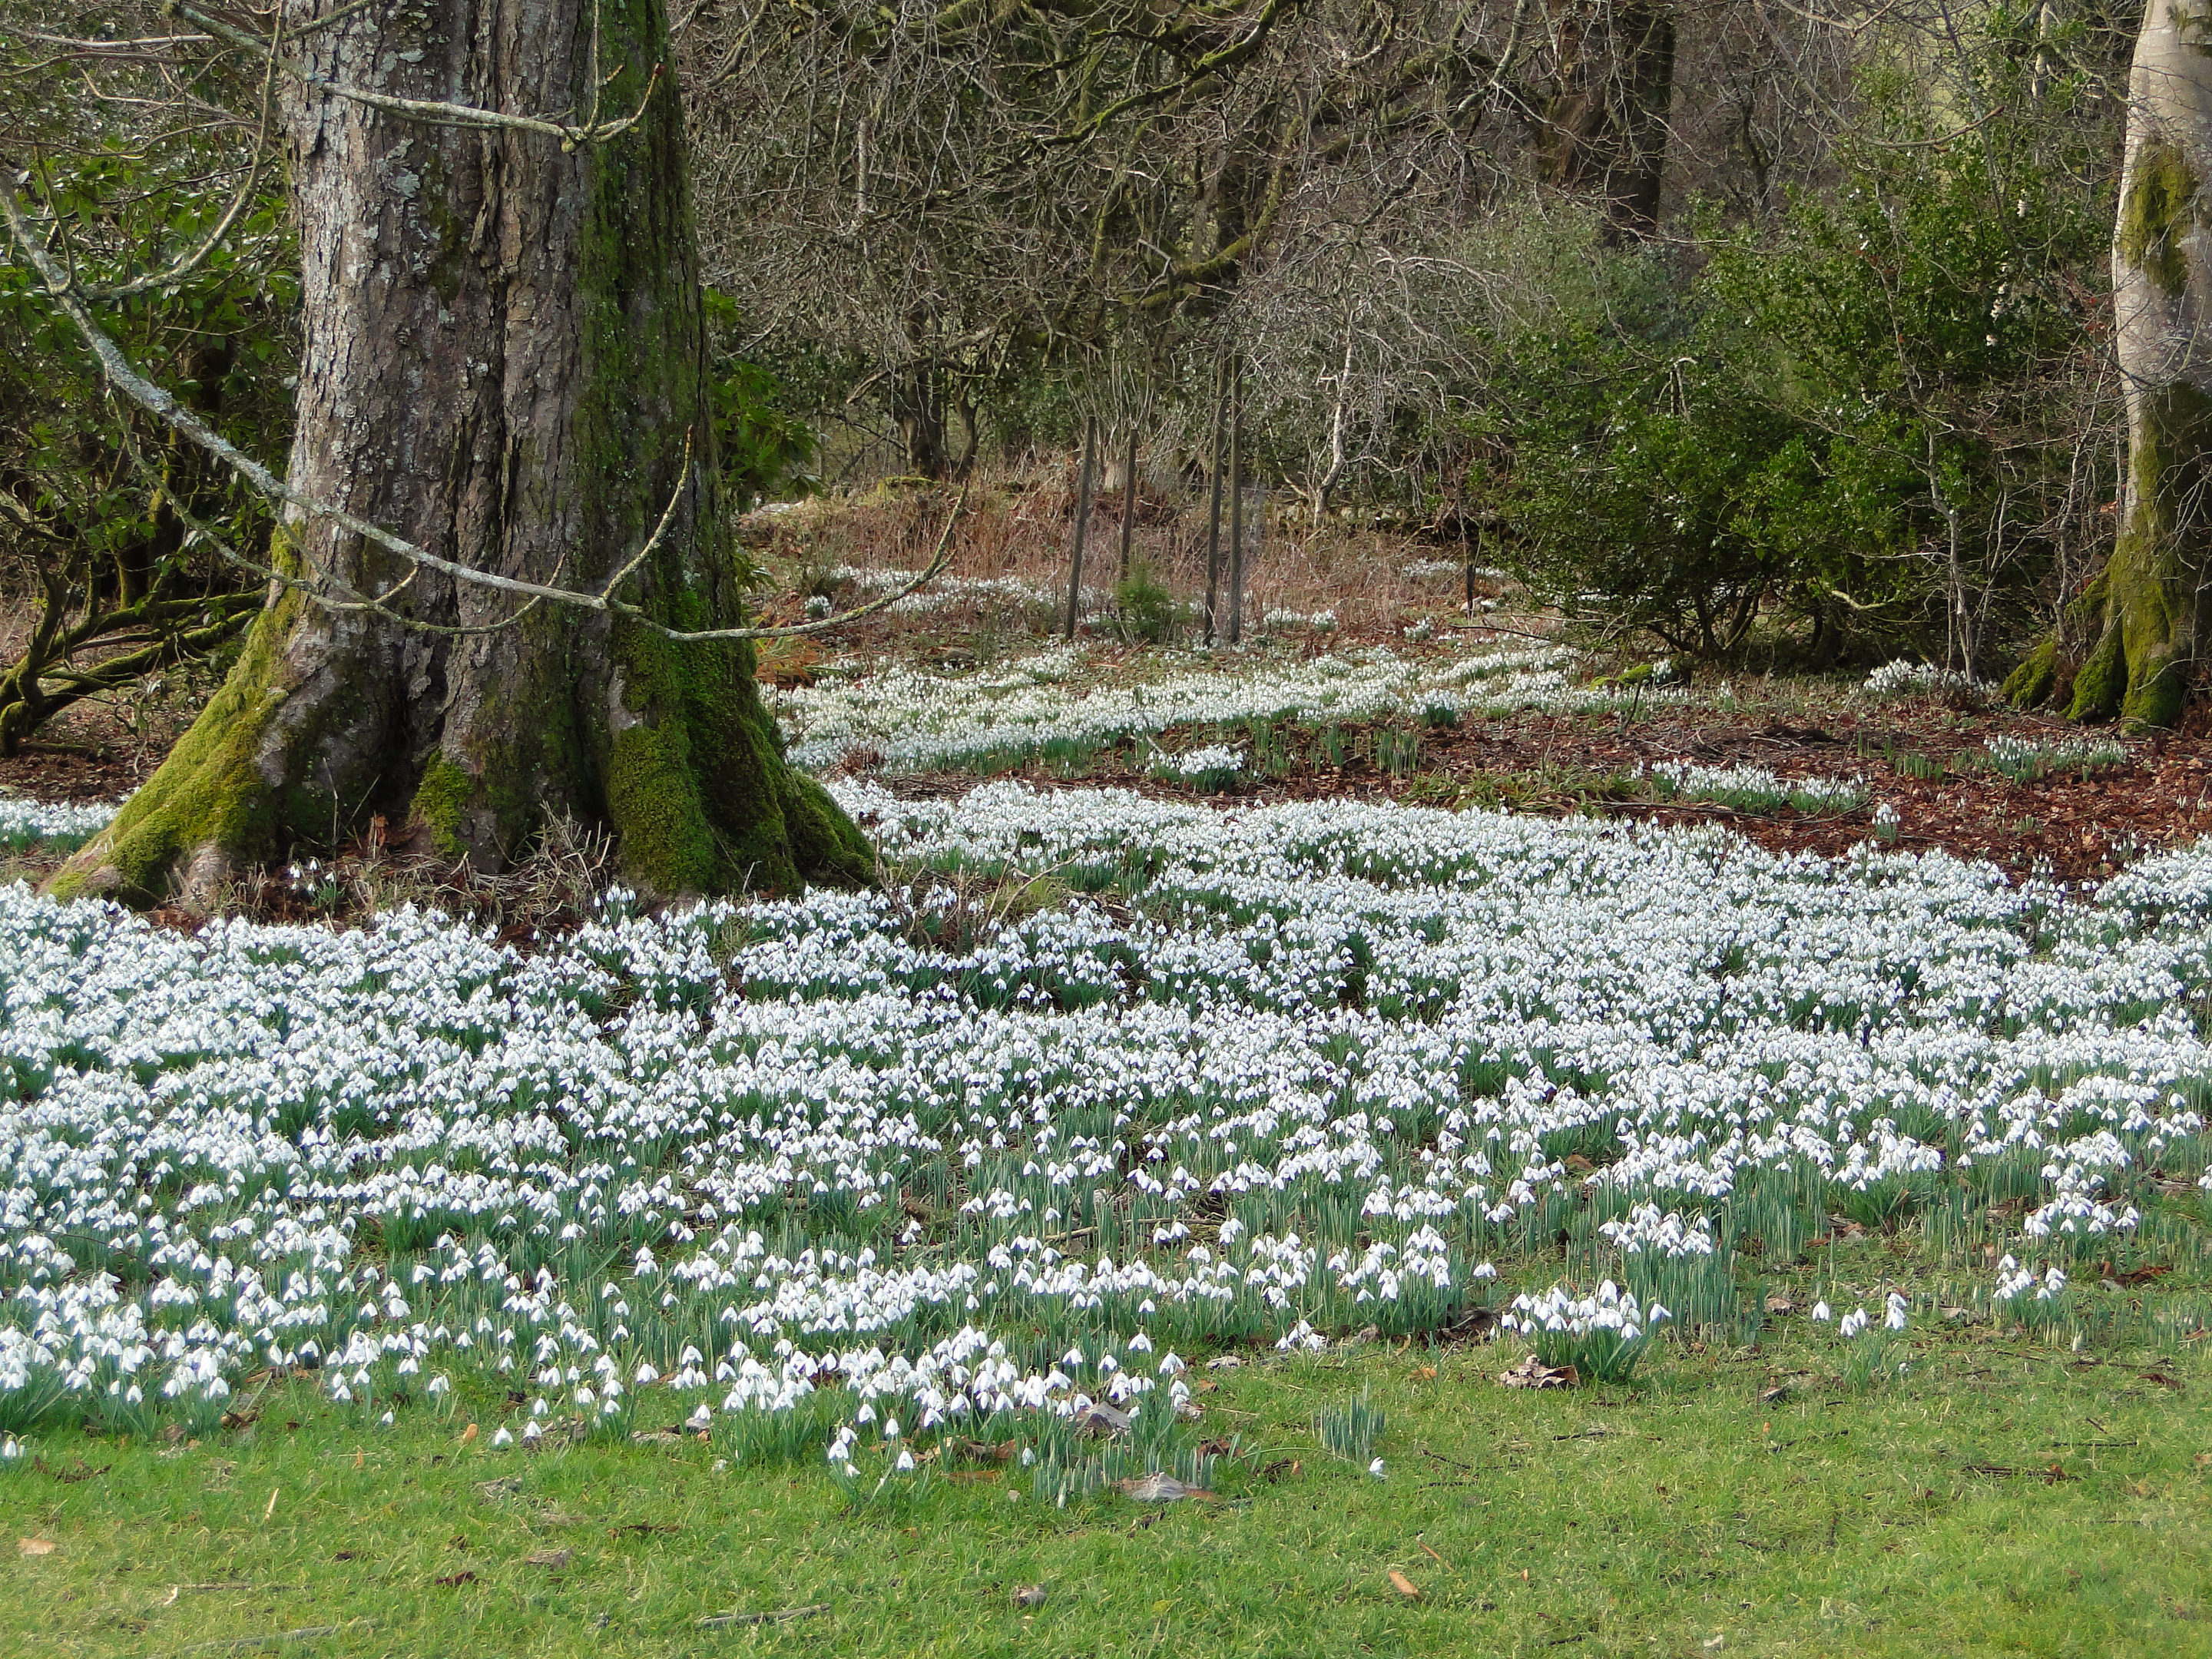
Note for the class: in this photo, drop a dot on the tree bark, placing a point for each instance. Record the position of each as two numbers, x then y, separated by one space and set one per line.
2145 603
918 414
1213 494
1237 502
504 354
1606 128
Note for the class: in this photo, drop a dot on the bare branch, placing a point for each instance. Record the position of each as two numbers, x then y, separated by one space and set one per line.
425 109
126 378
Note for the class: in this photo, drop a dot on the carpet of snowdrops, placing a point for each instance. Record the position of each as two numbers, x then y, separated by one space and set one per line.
910 719
868 1167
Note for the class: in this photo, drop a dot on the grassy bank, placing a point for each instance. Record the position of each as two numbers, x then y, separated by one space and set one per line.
2001 1497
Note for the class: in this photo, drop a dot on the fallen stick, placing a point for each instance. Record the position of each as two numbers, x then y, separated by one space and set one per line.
277 1639
727 1621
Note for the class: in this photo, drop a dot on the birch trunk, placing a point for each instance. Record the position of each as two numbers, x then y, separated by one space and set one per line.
504 353
2146 602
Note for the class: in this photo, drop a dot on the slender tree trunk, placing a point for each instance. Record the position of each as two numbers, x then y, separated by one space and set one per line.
1236 505
1338 414
1082 523
1213 497
917 409
2146 602
504 354
1128 502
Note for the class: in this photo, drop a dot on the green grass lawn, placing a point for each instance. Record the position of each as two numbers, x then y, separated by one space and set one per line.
2002 1498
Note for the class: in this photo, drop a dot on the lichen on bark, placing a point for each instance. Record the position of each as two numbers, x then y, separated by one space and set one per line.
2158 206
2139 668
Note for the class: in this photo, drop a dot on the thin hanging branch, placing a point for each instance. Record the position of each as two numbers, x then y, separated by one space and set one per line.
123 376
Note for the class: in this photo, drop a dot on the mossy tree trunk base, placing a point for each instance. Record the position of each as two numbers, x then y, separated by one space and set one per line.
505 362
2140 616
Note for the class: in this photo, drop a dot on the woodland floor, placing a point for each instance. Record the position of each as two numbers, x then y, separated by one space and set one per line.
2076 827
1913 754
1992 1485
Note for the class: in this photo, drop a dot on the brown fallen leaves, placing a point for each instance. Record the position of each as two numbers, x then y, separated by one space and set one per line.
35 1545
1102 1419
1533 1373
2130 1278
1403 1586
79 1470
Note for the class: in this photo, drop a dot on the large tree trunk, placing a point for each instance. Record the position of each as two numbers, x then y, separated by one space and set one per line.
504 355
1605 130
2146 602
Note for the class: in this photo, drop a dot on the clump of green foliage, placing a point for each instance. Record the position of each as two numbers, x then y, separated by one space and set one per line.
1861 422
761 446
1144 609
98 502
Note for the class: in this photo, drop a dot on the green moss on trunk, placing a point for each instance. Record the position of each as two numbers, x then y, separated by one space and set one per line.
2156 214
2139 667
478 737
440 801
2029 685
213 790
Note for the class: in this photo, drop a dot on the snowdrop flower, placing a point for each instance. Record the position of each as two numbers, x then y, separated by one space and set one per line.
1376 1469
500 1437
905 1463
1895 1318
1822 1312
1854 1322
409 1089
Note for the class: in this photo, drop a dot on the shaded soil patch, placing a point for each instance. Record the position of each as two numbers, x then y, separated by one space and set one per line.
61 772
